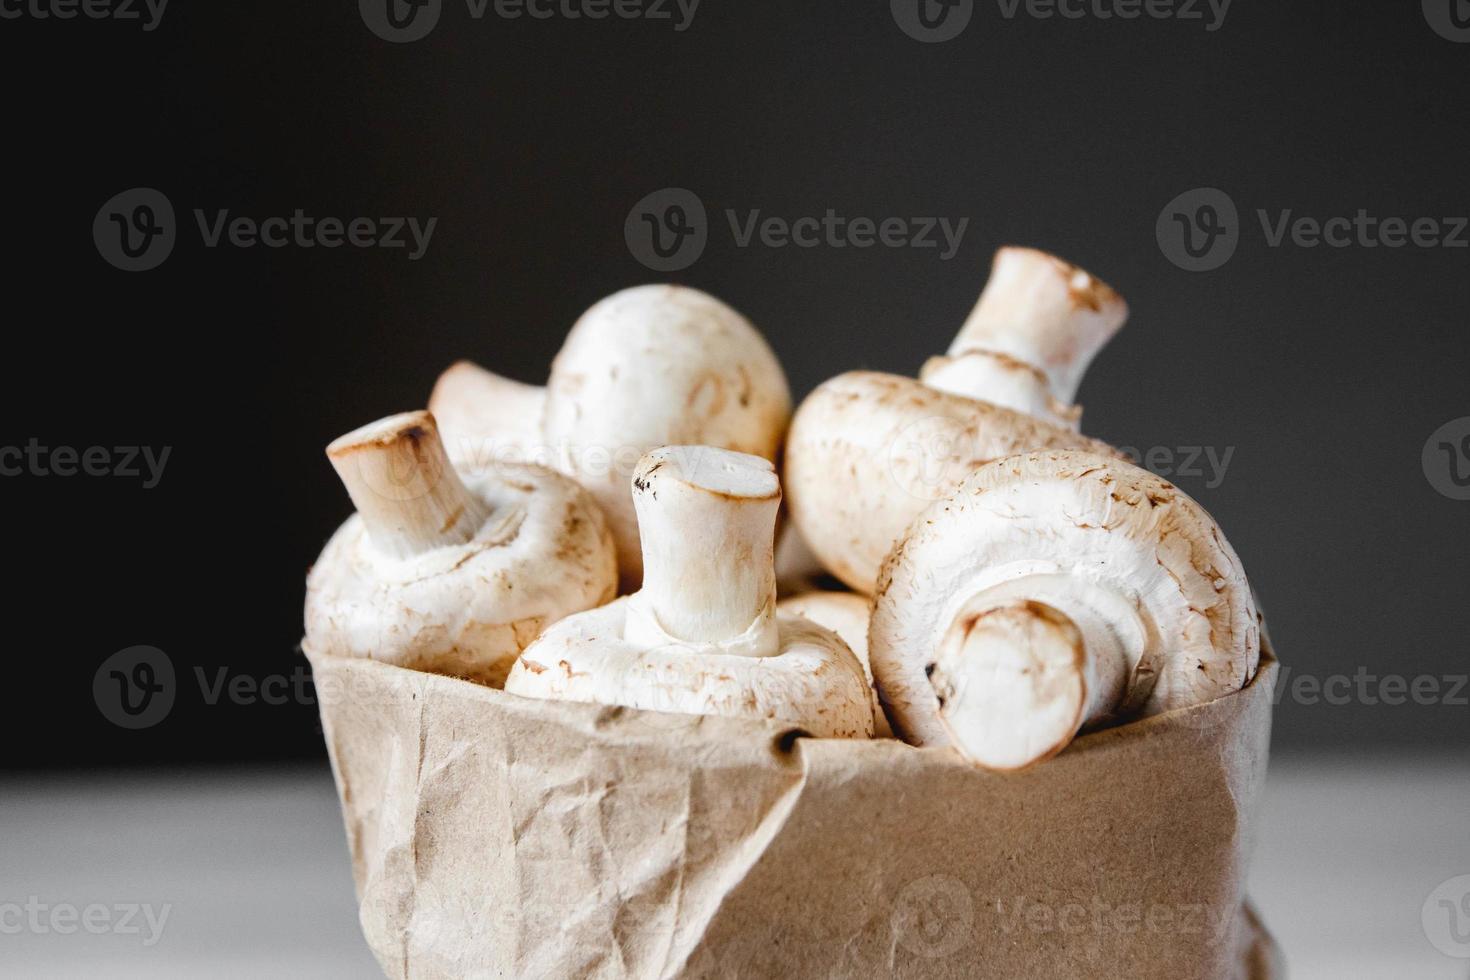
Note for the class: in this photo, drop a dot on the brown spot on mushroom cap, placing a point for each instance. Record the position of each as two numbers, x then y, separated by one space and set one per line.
707 396
452 519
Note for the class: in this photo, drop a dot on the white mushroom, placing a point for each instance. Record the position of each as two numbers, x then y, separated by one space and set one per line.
797 569
703 636
646 367
1054 592
441 575
868 451
1037 326
847 615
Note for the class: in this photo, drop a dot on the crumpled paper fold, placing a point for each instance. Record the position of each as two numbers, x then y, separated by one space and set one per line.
494 836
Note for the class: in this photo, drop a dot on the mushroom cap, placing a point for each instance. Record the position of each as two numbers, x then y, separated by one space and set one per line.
814 681
1082 517
844 613
466 610
657 366
867 452
646 367
847 615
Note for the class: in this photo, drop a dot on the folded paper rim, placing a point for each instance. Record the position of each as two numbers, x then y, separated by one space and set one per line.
785 733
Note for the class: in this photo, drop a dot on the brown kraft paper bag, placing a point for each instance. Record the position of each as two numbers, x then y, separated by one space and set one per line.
495 836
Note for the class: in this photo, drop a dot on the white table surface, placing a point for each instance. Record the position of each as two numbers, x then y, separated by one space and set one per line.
253 869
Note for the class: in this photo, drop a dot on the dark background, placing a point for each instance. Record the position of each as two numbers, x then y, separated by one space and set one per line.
1326 369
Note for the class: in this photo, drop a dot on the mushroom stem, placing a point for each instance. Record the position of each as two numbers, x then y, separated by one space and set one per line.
494 415
1023 666
708 523
1037 326
399 478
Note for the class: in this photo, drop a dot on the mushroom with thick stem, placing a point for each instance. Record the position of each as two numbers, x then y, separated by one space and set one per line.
703 635
868 451
1054 592
445 575
847 614
646 367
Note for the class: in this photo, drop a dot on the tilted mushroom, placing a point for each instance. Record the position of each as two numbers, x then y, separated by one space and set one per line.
443 575
703 635
1054 592
847 615
646 367
868 451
